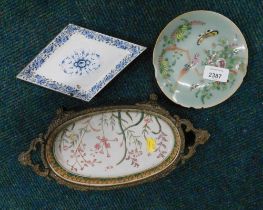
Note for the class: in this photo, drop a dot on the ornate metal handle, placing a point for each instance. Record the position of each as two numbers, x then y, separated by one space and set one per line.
26 160
201 136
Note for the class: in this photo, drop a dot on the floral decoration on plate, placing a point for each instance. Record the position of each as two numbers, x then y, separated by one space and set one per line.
80 62
186 46
111 144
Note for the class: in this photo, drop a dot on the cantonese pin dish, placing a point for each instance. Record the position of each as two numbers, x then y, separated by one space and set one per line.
200 59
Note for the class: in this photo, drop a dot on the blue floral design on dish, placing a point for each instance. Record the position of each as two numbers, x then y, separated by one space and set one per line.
80 62
30 72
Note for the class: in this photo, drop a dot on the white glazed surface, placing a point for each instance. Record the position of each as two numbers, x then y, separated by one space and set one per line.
110 56
80 62
95 147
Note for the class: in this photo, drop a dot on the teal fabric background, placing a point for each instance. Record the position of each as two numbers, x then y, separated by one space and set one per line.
226 173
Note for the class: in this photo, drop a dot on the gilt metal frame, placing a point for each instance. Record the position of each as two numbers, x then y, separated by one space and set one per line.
51 169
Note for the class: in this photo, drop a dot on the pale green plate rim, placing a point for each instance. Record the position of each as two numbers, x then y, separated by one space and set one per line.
156 68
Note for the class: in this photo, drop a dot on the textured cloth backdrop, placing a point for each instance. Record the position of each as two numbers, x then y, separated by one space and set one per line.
226 173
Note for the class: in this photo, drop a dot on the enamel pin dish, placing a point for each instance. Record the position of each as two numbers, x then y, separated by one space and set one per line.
112 147
200 59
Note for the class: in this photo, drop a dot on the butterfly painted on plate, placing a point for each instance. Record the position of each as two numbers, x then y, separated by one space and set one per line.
207 34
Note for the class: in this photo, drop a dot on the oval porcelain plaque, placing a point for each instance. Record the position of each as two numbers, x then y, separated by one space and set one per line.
111 147
114 144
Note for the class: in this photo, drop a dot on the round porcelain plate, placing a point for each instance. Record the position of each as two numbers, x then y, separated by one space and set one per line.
192 42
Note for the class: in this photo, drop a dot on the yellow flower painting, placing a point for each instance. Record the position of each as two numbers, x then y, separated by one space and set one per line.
151 145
